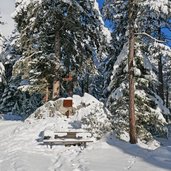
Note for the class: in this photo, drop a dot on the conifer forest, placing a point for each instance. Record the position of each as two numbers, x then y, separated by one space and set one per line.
119 53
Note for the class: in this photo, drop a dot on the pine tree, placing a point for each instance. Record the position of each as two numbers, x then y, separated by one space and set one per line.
2 68
70 31
2 77
11 52
149 108
154 30
14 97
53 39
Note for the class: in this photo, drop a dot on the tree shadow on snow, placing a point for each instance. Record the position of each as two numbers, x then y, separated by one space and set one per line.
160 157
10 117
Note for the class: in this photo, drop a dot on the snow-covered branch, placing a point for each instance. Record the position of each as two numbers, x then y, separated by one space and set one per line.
145 34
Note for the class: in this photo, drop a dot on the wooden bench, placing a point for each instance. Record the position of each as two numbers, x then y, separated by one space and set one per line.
68 138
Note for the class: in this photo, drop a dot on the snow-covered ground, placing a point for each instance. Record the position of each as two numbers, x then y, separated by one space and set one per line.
21 150
21 147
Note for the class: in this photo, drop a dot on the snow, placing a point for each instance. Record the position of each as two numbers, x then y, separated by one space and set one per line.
161 108
88 114
21 150
22 5
2 68
122 56
158 5
118 93
2 72
164 49
24 88
147 64
1 44
106 32
137 72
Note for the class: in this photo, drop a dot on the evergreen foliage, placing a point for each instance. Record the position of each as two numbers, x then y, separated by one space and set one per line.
149 107
66 41
70 31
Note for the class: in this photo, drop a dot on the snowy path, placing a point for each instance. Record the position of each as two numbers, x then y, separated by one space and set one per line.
19 151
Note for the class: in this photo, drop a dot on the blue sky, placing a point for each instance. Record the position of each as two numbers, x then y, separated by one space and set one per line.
100 2
165 31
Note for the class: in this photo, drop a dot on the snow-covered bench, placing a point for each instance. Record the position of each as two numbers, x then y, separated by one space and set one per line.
67 138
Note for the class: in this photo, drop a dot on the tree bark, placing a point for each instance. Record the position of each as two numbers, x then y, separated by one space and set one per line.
46 97
56 88
132 131
56 82
167 88
160 69
167 95
160 77
57 44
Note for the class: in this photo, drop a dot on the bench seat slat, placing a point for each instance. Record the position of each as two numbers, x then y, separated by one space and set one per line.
67 140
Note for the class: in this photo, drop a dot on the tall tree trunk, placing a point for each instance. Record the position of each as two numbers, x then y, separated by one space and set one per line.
167 88
87 83
57 44
160 68
132 131
160 77
46 98
167 95
56 88
167 99
56 82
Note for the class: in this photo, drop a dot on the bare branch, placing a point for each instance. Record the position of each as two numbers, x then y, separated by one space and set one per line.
145 34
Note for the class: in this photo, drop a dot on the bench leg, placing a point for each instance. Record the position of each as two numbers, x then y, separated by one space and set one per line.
82 145
51 145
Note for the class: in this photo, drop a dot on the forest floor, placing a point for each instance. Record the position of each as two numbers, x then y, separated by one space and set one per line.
21 150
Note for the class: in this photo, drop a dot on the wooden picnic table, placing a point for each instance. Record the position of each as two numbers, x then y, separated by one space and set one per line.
68 138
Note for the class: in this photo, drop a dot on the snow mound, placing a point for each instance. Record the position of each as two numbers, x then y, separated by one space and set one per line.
50 109
91 115
88 114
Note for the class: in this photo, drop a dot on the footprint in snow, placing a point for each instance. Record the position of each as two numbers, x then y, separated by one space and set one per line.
131 162
77 169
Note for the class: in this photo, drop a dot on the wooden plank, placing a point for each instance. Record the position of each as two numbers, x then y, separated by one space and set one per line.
72 134
79 131
67 140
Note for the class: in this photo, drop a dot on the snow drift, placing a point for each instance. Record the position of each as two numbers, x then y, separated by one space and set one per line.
88 113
